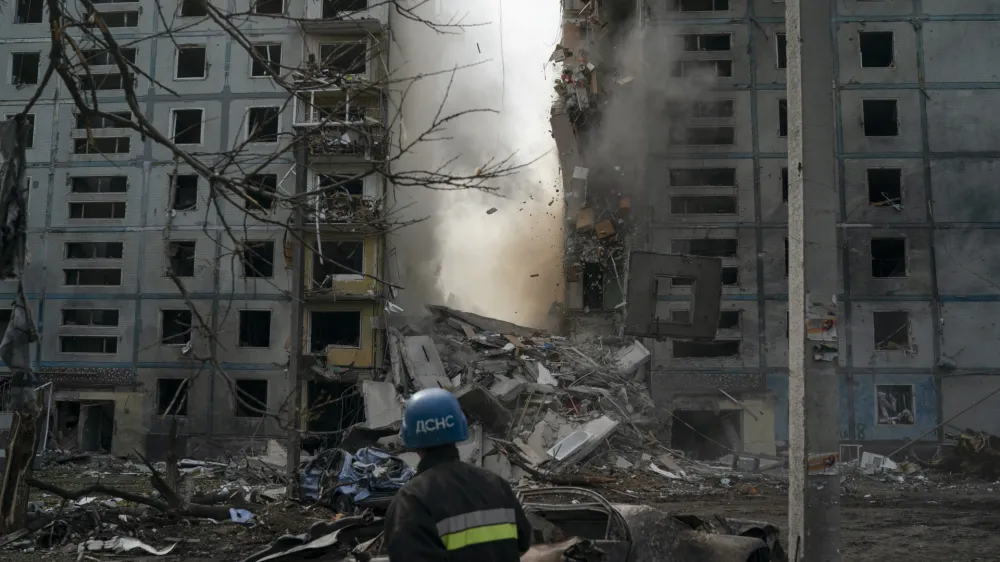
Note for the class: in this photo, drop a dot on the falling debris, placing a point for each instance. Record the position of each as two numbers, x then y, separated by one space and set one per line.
491 210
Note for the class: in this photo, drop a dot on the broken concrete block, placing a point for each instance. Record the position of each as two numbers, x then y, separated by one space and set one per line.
545 376
585 220
423 363
605 229
498 464
577 445
578 184
479 404
620 462
471 450
506 388
629 358
382 407
625 204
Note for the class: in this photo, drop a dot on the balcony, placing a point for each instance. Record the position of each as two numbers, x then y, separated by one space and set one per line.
341 209
338 65
337 17
344 126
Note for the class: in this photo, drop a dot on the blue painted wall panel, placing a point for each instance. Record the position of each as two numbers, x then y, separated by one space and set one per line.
925 407
777 384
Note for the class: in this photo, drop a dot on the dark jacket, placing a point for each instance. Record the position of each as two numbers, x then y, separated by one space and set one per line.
452 511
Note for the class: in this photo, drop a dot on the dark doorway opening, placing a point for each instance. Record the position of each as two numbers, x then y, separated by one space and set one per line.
705 434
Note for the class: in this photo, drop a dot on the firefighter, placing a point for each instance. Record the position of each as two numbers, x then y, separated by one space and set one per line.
451 510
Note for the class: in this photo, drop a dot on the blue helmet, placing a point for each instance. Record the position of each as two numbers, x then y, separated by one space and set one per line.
432 418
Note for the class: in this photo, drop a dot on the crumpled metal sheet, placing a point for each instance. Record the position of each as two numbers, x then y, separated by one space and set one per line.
324 538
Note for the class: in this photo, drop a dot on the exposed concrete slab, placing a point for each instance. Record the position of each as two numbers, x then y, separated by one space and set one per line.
382 407
423 363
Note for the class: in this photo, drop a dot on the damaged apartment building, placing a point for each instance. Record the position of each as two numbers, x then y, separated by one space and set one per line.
110 216
917 154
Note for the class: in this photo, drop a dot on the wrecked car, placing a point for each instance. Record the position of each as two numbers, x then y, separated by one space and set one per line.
368 479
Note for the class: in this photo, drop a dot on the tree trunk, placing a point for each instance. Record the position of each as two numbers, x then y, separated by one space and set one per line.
14 489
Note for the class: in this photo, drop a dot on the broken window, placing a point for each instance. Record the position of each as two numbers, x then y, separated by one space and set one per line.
701 5
267 61
94 250
89 317
782 118
261 189
781 44
703 205
258 259
885 186
99 184
703 136
24 68
5 314
172 397
706 247
593 286
336 8
730 276
784 184
101 81
338 258
786 258
716 68
895 404
88 344
728 319
120 19
703 177
105 57
102 121
191 62
28 11
340 328
102 145
185 195
262 124
251 398
92 277
706 434
255 328
29 120
876 49
193 9
714 109
186 126
888 257
97 210
353 186
705 349
891 330
345 58
180 258
880 118
175 327
707 42
269 7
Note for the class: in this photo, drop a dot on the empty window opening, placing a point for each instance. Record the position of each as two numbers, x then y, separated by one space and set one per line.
895 404
102 81
86 425
94 250
338 259
92 277
706 349
593 286
103 121
713 109
120 19
107 345
261 189
703 177
5 314
267 61
175 327
337 8
187 126
102 145
782 118
269 7
888 257
262 124
258 259
255 328
703 205
334 406
185 195
89 317
716 68
707 247
881 118
192 62
66 429
786 258
781 44
24 68
334 329
193 9
29 121
885 187
334 184
28 11
251 398
104 57
345 58
730 277
703 136
707 42
784 184
180 258
172 397
728 319
876 49
891 330
99 184
701 5
706 435
97 210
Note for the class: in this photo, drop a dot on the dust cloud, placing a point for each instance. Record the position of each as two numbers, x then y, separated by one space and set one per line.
507 264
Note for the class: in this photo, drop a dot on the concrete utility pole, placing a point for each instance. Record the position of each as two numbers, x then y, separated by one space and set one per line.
298 305
813 389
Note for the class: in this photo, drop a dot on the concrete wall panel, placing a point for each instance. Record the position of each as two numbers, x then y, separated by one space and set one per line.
963 120
921 332
963 265
908 117
924 408
917 279
904 69
912 206
958 392
964 190
971 332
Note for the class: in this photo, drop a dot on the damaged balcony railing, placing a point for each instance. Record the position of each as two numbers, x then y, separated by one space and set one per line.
344 207
361 140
